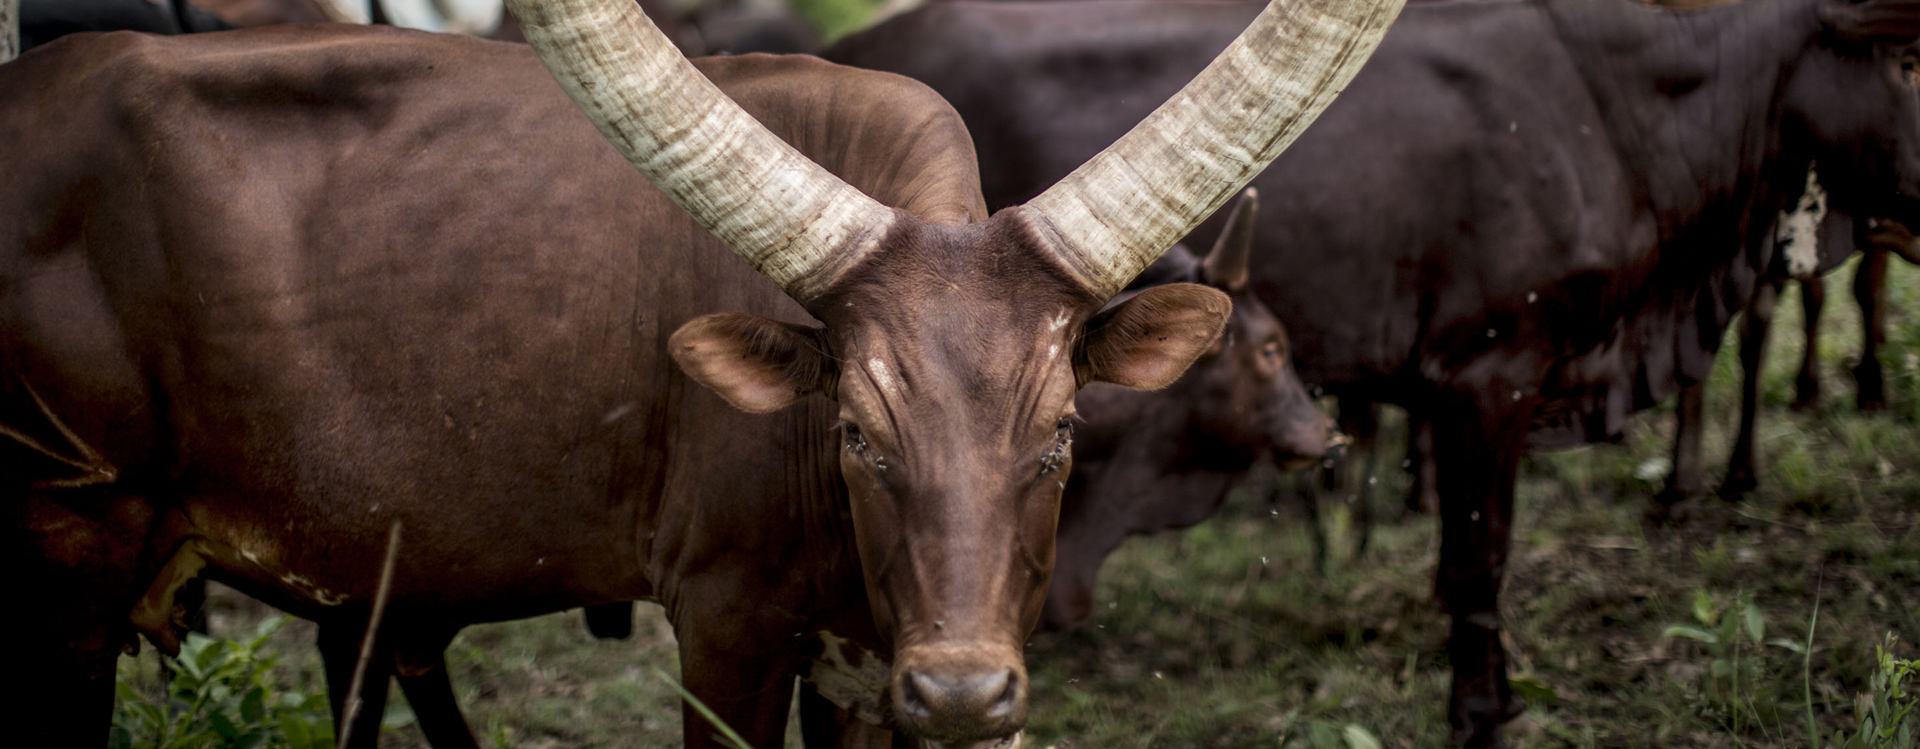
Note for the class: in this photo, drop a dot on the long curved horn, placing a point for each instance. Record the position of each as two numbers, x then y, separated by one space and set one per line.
790 218
1122 209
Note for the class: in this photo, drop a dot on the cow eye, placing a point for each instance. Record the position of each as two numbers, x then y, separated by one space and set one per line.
856 442
1271 350
1062 445
1910 69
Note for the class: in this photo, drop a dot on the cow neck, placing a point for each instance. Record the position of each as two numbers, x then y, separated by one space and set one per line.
1691 102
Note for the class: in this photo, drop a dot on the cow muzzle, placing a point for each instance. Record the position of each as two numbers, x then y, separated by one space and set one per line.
956 696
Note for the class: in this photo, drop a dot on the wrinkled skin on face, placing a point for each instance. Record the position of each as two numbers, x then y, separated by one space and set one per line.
956 406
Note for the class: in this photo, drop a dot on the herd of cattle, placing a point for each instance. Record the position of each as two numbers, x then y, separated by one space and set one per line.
859 366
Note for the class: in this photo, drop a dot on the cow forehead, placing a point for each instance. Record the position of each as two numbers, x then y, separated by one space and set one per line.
985 362
978 366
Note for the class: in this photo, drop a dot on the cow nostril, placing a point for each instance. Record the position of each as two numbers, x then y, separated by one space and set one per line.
913 694
1009 696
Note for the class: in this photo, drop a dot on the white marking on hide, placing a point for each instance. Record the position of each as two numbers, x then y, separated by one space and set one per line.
1058 322
320 595
1797 232
859 688
882 377
1053 351
617 413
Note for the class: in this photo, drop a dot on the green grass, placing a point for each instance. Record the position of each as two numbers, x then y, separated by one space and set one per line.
1224 636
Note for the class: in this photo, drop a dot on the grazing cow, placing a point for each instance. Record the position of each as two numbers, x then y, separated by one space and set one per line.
1146 462
1545 228
265 294
1837 238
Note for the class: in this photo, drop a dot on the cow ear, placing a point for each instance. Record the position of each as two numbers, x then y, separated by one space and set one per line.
756 364
1147 342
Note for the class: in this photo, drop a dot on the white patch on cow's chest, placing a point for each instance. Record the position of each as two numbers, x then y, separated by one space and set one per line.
852 677
1797 232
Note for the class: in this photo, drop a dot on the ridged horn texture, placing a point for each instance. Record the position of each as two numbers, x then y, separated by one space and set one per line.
790 218
9 29
1122 209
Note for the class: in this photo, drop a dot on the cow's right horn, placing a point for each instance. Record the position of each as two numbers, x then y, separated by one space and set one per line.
789 217
1126 206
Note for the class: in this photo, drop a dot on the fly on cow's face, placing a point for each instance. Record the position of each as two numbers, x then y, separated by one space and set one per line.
856 442
1062 445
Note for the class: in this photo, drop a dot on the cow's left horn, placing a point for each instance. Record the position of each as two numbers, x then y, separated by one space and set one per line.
790 218
1121 210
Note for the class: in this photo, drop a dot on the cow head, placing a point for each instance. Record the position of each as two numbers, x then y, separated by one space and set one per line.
1854 99
954 351
1248 395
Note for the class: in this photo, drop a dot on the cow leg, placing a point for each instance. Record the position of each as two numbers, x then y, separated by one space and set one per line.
76 564
1363 425
1806 387
77 560
1753 344
1689 476
1309 496
339 644
430 694
1869 289
1477 446
1423 498
737 656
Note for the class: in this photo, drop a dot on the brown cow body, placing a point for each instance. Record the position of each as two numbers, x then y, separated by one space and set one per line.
484 367
268 294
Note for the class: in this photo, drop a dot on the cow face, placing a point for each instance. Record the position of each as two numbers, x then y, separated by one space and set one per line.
1248 395
1856 98
955 355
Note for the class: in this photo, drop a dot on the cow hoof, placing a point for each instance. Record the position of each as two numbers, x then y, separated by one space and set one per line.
1490 738
1738 485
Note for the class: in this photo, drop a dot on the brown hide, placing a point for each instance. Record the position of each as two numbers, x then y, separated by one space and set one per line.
288 330
279 289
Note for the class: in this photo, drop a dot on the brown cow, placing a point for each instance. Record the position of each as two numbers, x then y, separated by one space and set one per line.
266 293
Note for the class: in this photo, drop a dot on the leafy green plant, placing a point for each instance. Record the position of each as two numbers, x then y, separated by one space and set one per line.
220 694
1732 637
1885 711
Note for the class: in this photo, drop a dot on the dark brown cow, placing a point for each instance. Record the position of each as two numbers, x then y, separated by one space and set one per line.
1550 226
1151 461
267 293
1839 236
